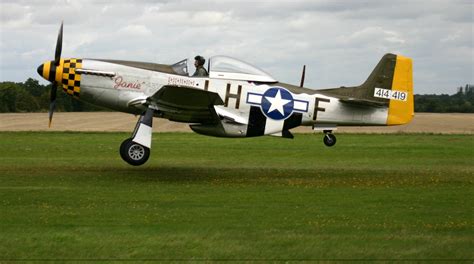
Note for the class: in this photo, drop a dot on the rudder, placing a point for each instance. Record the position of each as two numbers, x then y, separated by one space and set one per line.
402 111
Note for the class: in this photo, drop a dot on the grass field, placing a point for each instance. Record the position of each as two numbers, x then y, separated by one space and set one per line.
70 196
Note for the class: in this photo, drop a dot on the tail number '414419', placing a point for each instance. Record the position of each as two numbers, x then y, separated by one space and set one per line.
389 94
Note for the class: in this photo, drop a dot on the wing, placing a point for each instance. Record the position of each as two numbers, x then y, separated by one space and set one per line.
185 104
207 115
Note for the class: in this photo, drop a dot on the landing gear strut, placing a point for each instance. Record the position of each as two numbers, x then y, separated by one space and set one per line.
329 138
136 150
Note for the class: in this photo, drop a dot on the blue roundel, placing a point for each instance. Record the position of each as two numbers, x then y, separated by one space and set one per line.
277 103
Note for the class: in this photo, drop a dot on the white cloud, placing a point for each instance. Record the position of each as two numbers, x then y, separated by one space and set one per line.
138 30
13 16
339 41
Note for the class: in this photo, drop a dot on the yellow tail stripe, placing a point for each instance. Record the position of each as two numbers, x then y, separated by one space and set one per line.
401 112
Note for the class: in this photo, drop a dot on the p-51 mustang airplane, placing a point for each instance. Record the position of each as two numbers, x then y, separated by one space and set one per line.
235 100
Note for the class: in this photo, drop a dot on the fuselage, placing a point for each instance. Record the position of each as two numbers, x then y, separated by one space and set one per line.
125 86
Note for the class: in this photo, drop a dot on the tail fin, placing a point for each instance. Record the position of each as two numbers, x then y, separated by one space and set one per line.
389 84
381 77
392 79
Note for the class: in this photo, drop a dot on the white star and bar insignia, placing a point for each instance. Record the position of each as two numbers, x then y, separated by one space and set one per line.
277 103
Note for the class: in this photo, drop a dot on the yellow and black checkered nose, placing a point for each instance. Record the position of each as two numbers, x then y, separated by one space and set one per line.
63 74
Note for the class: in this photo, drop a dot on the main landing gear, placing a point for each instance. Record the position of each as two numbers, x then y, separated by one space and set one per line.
329 138
134 153
136 150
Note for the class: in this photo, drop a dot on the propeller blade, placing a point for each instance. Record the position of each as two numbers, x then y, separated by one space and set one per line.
59 46
54 86
52 102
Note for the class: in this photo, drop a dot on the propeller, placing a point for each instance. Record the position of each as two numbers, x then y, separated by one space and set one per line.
57 59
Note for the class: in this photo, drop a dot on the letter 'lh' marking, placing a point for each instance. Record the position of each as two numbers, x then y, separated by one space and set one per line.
236 96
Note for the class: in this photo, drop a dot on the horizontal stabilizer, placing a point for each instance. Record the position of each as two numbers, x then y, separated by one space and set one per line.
361 102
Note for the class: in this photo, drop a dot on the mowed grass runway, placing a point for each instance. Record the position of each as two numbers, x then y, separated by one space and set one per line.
70 196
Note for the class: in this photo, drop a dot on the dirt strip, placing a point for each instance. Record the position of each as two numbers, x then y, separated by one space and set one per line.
114 121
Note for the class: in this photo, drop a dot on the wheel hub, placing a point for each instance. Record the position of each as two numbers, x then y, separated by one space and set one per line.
136 152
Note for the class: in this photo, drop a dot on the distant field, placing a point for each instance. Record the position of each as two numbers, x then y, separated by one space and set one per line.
69 196
120 122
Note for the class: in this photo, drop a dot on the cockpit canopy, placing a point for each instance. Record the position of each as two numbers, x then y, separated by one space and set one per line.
181 67
224 67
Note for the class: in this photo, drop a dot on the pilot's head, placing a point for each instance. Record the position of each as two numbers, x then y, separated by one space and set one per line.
199 61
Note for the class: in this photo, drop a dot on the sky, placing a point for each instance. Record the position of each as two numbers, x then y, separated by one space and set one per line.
340 42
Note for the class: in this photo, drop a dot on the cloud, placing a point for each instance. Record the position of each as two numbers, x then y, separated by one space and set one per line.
16 17
339 41
132 30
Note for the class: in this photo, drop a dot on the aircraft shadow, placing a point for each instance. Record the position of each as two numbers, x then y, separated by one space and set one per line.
203 174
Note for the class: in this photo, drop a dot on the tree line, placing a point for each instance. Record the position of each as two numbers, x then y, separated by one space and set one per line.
31 96
456 103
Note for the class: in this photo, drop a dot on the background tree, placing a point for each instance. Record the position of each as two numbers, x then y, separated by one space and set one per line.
31 96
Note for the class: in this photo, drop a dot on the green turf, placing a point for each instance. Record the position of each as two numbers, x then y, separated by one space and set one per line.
70 196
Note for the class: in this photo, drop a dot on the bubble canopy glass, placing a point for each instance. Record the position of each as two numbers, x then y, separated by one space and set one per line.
224 67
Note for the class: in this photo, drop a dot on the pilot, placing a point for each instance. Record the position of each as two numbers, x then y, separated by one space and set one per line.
199 63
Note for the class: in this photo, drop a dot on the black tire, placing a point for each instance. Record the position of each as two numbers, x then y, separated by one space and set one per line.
329 139
134 153
122 148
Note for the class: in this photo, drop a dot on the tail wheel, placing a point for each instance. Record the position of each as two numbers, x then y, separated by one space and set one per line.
134 153
329 139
